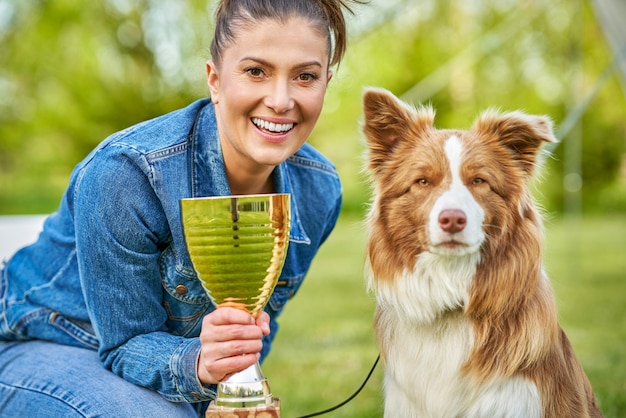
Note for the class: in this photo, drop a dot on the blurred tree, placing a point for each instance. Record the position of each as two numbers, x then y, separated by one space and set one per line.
463 57
72 74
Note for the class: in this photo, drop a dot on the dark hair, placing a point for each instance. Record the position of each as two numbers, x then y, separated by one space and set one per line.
325 14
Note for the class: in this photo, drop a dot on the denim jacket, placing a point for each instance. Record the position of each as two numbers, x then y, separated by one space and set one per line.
111 272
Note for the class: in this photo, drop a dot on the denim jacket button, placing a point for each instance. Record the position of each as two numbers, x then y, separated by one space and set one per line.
181 289
196 395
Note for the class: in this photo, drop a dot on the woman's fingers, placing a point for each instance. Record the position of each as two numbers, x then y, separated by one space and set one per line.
263 321
221 369
236 347
231 341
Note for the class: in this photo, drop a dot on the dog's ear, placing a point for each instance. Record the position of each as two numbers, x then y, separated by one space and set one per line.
386 119
523 134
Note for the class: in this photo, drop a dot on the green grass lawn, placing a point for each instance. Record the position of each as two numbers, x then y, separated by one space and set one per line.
586 261
325 347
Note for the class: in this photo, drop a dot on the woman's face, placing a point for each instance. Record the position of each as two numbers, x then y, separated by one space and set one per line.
268 92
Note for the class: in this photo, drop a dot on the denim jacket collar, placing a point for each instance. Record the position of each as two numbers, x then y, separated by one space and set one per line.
207 169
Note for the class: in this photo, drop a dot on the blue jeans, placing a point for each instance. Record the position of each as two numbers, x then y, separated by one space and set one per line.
42 379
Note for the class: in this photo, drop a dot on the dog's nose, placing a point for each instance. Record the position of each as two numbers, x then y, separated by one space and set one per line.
452 220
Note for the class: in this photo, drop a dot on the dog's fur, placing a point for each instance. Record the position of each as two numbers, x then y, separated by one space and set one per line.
466 320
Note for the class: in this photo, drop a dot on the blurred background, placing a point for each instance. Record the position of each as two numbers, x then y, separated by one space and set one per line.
73 72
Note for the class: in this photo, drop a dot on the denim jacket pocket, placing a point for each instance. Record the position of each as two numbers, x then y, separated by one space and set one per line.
184 299
48 325
80 333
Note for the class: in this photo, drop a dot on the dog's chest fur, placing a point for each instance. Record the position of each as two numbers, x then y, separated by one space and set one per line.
427 339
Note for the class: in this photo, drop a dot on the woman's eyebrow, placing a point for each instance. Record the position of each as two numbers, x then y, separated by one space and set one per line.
312 63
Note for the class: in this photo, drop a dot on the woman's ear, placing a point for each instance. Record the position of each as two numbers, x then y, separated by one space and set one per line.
213 80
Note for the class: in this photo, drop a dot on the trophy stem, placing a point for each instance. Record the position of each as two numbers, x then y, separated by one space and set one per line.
244 389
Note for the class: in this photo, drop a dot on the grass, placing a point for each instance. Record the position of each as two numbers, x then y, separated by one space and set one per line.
325 347
586 261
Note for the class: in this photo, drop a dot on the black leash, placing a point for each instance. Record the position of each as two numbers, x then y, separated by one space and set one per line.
315 414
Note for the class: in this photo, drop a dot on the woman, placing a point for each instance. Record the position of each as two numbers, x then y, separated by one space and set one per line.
109 281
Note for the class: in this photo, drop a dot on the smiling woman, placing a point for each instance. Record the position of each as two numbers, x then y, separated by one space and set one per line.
109 281
276 74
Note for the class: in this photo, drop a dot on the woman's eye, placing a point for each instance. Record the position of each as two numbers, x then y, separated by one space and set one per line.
307 77
254 71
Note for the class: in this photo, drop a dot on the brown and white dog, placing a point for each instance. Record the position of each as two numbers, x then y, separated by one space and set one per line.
466 320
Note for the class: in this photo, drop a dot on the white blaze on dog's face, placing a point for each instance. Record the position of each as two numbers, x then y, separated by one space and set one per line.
455 223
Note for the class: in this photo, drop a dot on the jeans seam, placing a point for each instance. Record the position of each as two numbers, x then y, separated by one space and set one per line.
45 393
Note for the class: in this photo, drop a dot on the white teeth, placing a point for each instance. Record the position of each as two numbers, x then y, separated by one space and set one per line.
273 127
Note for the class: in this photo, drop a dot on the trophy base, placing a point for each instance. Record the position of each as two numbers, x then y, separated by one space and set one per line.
271 411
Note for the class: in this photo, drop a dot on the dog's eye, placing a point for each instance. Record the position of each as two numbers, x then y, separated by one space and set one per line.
422 182
478 180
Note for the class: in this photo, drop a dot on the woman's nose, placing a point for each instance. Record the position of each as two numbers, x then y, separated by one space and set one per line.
279 98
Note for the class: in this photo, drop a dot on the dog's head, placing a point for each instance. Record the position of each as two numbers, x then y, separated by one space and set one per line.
447 192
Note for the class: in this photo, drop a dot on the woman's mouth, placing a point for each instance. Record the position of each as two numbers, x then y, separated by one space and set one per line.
271 127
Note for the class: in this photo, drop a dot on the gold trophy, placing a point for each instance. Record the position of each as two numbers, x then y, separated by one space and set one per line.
238 245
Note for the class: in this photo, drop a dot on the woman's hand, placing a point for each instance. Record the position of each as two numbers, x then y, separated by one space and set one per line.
231 342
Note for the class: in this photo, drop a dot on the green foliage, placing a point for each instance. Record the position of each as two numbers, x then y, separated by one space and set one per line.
72 73
462 58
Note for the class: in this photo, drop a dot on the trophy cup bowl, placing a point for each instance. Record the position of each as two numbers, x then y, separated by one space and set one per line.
237 246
